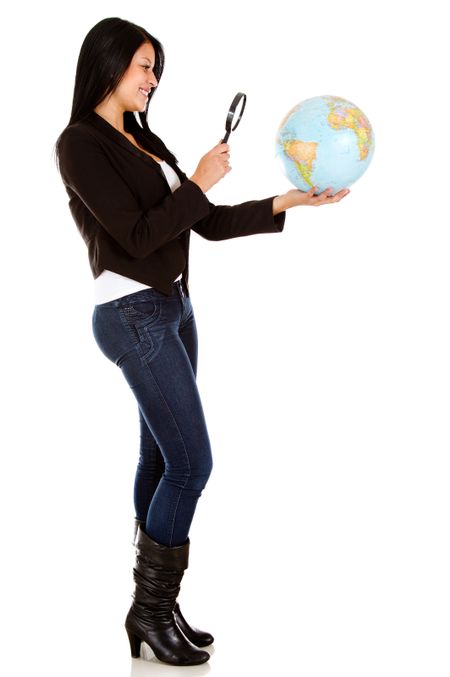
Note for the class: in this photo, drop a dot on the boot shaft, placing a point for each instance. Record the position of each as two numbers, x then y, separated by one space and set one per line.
157 573
172 558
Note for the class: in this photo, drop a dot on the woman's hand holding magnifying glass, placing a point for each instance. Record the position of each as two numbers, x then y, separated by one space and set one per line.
212 167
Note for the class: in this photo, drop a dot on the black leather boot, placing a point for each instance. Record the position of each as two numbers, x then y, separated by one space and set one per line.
157 574
196 636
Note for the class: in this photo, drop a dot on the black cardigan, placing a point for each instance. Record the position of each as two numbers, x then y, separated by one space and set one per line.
128 216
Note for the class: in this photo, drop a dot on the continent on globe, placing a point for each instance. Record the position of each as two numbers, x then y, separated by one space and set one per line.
303 153
324 141
349 116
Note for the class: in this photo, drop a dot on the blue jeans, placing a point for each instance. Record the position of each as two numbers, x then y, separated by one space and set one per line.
153 339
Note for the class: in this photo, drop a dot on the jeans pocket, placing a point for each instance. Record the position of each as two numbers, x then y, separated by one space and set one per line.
147 310
140 316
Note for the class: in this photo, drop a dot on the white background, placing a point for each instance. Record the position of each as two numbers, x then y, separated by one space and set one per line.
320 544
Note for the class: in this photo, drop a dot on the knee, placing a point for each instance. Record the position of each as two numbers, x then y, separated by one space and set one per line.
203 473
204 465
193 476
199 474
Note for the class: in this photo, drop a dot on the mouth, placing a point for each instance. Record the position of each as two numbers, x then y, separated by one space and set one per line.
144 92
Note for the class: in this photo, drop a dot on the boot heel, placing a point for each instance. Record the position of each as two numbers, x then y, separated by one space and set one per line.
135 644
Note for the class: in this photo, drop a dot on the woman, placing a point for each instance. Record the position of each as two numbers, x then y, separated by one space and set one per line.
135 208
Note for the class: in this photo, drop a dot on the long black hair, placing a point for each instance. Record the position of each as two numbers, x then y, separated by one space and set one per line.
105 55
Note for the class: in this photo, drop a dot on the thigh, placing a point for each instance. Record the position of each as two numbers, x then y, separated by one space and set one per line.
188 335
162 377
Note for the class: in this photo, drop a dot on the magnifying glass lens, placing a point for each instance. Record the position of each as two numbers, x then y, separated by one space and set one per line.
234 114
238 112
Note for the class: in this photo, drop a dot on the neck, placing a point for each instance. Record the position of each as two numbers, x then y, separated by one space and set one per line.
112 115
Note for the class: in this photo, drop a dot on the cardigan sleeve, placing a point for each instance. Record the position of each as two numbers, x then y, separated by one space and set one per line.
86 169
247 218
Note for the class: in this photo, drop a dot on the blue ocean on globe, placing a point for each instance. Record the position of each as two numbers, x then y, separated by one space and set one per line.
324 141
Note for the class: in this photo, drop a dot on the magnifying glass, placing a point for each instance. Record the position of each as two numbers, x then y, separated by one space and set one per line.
237 106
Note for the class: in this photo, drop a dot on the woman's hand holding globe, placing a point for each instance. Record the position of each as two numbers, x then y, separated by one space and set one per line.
294 198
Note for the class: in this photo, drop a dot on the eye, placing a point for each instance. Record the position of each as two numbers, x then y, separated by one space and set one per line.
146 66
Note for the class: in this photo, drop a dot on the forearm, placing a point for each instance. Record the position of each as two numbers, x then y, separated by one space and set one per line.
279 204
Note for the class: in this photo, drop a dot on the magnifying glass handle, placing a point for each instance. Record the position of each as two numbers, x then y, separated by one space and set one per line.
225 138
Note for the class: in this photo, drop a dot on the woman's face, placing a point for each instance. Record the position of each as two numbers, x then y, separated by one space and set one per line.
131 92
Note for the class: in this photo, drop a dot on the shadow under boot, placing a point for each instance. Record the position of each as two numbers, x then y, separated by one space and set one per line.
198 637
157 573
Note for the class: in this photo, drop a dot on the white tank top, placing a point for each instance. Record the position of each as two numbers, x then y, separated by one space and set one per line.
109 285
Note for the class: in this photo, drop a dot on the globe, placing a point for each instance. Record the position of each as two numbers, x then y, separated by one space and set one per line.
324 141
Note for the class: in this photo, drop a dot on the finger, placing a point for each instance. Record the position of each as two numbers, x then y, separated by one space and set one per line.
342 193
314 198
324 196
328 194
